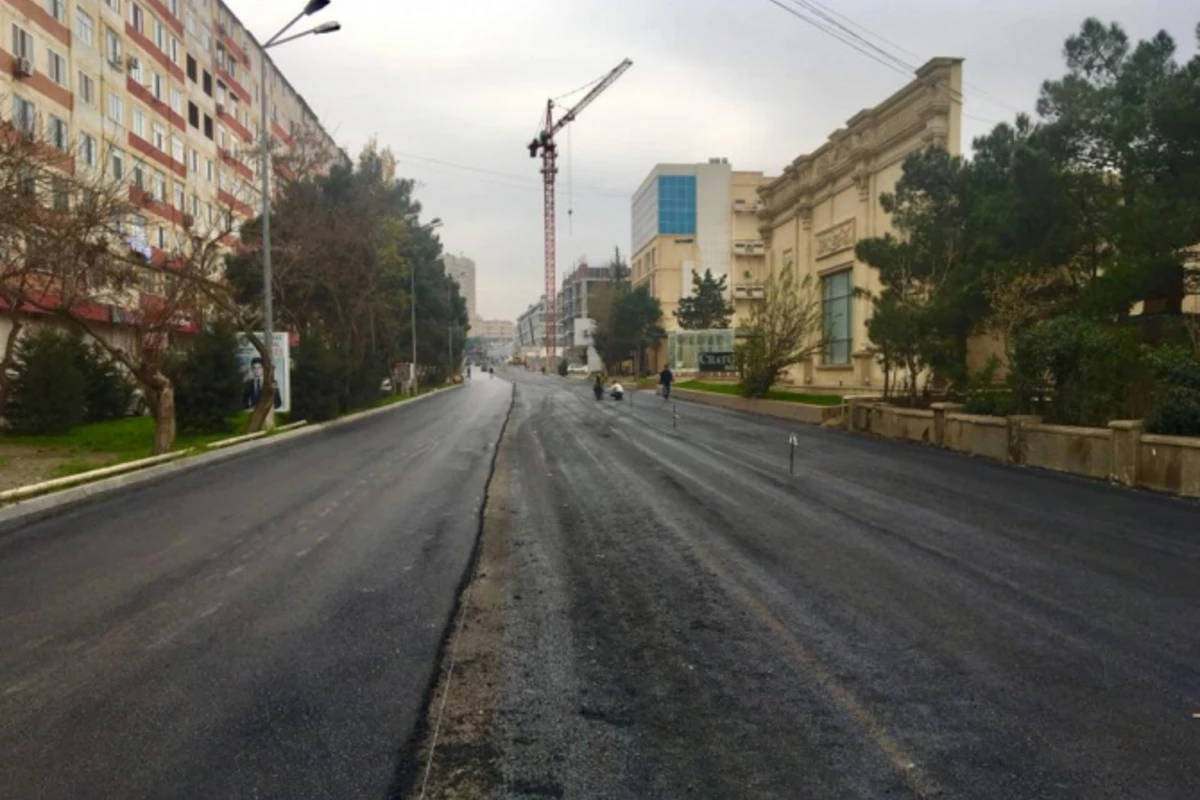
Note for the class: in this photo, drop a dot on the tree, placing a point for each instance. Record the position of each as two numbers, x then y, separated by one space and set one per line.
707 307
208 380
49 391
785 329
1125 118
628 321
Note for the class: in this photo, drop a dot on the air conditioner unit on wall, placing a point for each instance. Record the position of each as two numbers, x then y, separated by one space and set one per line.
23 67
116 64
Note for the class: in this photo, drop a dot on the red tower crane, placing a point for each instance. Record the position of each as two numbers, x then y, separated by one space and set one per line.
549 151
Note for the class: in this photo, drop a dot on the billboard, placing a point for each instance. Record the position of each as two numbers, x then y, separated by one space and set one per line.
251 367
583 331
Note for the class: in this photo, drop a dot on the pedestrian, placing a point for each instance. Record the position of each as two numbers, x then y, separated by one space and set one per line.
664 378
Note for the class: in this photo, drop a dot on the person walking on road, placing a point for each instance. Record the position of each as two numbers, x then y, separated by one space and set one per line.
664 378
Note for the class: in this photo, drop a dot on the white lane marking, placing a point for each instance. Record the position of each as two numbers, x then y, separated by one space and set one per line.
20 686
163 640
36 643
322 537
302 553
208 612
234 571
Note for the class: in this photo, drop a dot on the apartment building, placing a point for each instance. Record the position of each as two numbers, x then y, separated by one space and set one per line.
462 269
163 94
531 330
574 309
688 218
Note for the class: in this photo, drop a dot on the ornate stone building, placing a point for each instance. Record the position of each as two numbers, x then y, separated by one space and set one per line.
812 216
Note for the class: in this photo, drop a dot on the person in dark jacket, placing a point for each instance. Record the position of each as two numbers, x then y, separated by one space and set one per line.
665 378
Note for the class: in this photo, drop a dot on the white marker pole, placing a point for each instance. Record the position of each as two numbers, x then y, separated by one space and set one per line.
792 441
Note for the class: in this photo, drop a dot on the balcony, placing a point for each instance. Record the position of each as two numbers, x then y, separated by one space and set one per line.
746 206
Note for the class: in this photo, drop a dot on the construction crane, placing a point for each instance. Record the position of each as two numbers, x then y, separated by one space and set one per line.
544 143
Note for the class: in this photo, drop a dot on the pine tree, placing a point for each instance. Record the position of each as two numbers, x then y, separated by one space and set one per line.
707 308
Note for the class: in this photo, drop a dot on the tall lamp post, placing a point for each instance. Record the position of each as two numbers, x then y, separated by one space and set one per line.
312 7
432 225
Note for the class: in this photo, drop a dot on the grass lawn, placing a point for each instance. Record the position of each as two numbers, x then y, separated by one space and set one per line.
790 397
104 444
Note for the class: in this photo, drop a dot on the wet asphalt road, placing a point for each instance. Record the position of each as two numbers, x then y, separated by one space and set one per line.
266 627
683 619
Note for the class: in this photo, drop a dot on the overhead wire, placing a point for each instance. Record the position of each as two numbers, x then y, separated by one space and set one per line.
830 16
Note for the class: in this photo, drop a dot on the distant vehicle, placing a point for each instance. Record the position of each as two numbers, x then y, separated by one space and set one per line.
577 369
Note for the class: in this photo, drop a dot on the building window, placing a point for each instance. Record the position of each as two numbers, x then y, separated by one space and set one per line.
156 85
22 43
85 28
191 69
160 37
60 194
115 5
193 115
116 164
194 164
137 18
161 236
208 127
56 67
112 47
836 294
139 122
677 205
189 21
116 108
86 89
135 70
207 83
176 100
58 133
24 115
174 51
57 9
206 38
160 187
208 170
195 207
158 136
179 198
177 149
139 175
87 149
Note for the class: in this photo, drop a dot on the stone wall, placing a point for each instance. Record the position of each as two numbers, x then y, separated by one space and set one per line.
1120 453
782 409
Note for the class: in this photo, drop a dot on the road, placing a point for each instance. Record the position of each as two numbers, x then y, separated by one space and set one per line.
267 627
663 612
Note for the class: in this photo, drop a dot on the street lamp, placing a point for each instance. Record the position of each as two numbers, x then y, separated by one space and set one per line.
432 225
312 7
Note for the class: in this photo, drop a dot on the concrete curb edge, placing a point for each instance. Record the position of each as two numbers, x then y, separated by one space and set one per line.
24 512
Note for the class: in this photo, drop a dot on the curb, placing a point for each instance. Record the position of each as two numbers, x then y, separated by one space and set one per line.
24 512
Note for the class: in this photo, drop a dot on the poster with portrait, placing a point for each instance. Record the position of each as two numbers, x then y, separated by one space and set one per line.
252 371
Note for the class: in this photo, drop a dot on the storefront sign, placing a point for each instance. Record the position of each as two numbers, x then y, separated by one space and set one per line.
717 362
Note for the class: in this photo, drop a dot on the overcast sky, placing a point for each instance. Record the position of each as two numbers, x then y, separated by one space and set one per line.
465 83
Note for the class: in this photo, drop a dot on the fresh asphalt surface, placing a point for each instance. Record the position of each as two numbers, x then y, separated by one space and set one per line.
265 627
685 619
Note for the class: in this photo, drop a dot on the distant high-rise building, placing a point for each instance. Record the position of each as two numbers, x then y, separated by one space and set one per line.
462 269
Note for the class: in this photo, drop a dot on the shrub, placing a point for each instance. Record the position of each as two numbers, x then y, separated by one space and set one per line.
107 388
1176 409
562 367
984 396
208 382
1076 371
317 381
49 390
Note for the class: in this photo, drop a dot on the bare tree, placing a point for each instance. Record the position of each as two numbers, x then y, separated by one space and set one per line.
786 328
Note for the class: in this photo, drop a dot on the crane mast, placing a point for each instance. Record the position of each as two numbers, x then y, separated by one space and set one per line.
545 144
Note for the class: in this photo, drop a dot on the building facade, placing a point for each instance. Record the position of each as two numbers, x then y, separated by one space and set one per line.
575 303
462 269
163 95
813 215
531 329
688 218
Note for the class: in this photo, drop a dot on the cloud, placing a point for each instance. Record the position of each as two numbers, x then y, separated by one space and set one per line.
465 82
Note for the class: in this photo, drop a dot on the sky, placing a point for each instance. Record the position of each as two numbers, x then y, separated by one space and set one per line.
457 90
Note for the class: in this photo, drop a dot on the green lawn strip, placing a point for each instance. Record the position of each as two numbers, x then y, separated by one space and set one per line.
789 397
98 445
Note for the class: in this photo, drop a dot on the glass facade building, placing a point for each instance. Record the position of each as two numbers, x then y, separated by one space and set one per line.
666 206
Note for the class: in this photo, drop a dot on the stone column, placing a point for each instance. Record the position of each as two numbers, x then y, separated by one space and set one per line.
940 410
1016 436
864 359
1126 450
